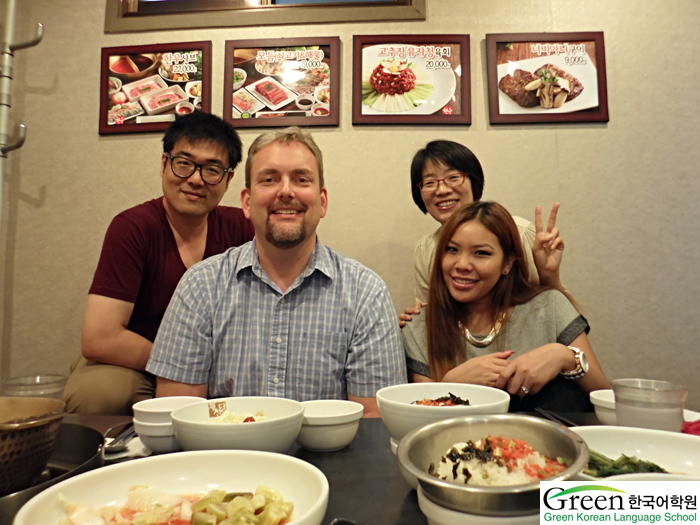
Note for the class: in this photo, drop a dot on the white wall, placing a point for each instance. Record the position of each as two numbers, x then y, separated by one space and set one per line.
629 189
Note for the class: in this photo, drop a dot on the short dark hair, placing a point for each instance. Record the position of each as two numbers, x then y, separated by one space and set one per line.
207 127
451 154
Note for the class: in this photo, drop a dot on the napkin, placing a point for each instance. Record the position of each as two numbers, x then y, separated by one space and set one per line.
691 427
134 449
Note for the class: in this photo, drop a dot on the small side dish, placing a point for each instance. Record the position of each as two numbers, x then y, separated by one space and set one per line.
601 466
320 110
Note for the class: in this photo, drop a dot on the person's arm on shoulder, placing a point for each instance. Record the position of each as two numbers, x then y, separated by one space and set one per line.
548 249
375 355
168 388
411 310
106 338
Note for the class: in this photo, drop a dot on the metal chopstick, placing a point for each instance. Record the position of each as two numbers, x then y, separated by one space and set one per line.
556 418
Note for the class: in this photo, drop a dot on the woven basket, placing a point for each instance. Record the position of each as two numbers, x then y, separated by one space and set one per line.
29 430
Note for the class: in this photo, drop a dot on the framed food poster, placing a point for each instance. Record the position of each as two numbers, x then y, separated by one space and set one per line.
546 77
411 79
282 82
143 88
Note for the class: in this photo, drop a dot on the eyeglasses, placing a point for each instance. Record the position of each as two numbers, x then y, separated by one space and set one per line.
184 168
453 181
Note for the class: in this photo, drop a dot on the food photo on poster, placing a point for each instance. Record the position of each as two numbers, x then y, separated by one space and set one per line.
546 77
399 78
411 79
543 77
147 86
274 82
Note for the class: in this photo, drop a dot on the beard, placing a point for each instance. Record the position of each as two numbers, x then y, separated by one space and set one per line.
284 238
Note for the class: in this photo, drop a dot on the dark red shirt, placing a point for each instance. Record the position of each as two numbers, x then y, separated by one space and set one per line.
140 262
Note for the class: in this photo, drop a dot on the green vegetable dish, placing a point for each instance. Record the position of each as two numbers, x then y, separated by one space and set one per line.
237 77
600 466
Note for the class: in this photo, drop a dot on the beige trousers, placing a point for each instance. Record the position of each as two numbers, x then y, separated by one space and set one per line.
98 388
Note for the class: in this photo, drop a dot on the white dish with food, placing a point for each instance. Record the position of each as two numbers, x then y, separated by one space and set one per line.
113 85
401 416
323 94
585 73
200 426
244 102
674 452
146 86
276 97
604 404
439 85
304 102
189 473
239 78
320 110
194 89
163 100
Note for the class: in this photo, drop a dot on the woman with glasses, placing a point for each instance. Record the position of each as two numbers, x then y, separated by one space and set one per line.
445 176
486 324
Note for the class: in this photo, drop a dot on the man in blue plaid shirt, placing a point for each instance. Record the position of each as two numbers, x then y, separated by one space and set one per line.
282 315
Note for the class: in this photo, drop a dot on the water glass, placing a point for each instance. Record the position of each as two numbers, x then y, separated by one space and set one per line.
649 403
35 386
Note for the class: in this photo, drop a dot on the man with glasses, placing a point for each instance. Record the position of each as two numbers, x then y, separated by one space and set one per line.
283 315
146 251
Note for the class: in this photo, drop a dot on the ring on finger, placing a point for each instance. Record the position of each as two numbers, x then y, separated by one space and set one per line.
524 390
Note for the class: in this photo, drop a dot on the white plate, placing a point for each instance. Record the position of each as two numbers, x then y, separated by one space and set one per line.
189 473
156 79
291 96
145 99
585 73
677 453
443 81
257 105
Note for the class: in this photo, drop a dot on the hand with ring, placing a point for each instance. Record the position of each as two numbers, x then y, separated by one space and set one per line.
524 391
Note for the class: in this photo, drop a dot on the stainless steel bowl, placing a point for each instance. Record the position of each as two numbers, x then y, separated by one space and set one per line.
426 445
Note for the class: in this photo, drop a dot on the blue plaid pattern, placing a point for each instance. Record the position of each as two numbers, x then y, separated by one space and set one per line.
332 333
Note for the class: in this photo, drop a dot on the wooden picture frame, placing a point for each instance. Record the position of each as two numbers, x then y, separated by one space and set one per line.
302 74
438 92
167 70
518 62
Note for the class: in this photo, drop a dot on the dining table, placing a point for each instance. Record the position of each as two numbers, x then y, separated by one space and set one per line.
366 485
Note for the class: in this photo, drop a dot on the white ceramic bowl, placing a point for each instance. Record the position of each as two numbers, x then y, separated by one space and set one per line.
438 515
320 110
400 416
329 424
677 453
153 429
305 102
194 86
160 444
184 108
318 94
274 435
158 409
239 84
189 473
604 403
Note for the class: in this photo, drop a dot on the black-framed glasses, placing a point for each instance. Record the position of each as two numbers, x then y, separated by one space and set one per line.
184 168
453 181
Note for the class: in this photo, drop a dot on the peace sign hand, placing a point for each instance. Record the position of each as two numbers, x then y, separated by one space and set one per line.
548 248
